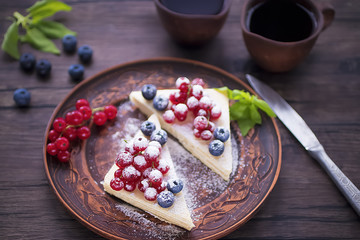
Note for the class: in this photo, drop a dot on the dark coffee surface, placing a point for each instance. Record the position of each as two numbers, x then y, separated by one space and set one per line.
281 20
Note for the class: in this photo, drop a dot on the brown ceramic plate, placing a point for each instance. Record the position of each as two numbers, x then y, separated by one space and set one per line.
218 207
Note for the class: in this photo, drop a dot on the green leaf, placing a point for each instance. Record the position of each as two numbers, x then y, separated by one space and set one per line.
10 42
53 29
254 114
264 106
224 90
46 8
245 126
39 41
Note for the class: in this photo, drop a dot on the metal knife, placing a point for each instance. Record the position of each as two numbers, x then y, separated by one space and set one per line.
297 126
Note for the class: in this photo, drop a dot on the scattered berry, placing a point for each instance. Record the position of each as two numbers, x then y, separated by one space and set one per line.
69 43
27 62
76 72
147 128
160 103
216 147
43 67
165 199
85 53
222 134
175 185
148 91
22 97
159 136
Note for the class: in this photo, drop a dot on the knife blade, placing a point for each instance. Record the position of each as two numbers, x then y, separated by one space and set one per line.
302 132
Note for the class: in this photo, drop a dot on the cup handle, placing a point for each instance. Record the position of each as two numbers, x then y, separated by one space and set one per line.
328 13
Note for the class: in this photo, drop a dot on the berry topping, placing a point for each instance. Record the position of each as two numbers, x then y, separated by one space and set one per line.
197 91
159 136
99 118
160 103
192 103
43 68
148 91
197 133
76 72
161 187
69 43
150 194
205 103
147 128
144 184
215 112
222 134
181 111
200 123
182 83
140 144
216 147
22 97
117 184
130 174
85 53
155 177
130 186
151 153
178 97
27 62
124 159
110 111
129 147
155 144
165 199
140 163
175 185
169 116
163 166
198 81
206 135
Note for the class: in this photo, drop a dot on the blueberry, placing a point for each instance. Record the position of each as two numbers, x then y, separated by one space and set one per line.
160 102
165 199
69 43
175 185
76 72
43 67
22 97
27 62
148 91
147 128
159 136
222 134
85 53
216 147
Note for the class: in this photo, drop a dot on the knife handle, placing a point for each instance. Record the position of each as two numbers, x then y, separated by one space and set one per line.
348 189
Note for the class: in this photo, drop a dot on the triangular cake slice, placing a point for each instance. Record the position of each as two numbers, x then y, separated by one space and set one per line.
183 130
178 214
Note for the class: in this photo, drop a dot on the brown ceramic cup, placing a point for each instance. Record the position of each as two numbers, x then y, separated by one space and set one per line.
280 56
192 29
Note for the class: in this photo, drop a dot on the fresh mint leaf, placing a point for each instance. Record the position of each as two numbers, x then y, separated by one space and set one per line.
53 29
46 8
39 41
10 42
245 108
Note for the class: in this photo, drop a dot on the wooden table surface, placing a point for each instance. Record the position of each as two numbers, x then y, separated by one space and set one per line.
324 89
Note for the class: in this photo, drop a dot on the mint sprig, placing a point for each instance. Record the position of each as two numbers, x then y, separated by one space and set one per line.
38 32
245 108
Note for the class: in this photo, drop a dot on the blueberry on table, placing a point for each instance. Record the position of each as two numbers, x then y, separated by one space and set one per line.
27 62
175 185
222 134
69 43
165 199
159 136
85 53
148 91
216 147
43 67
22 97
76 72
147 128
160 102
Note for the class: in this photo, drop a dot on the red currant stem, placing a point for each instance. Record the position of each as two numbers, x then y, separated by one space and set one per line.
97 109
69 126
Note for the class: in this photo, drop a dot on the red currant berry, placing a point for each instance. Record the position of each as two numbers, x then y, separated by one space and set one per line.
63 156
51 149
155 178
200 123
181 82
205 103
161 187
83 132
59 124
86 112
169 116
118 173
82 102
181 111
178 97
130 186
129 147
215 112
62 143
146 172
53 135
163 166
155 144
150 194
124 159
198 81
110 111
99 118
116 184
200 112
197 91
197 133
140 163
70 133
144 184
74 117
211 126
140 144
130 174
151 153
206 135
192 103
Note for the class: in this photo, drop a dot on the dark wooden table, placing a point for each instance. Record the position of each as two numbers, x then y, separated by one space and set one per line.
324 89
